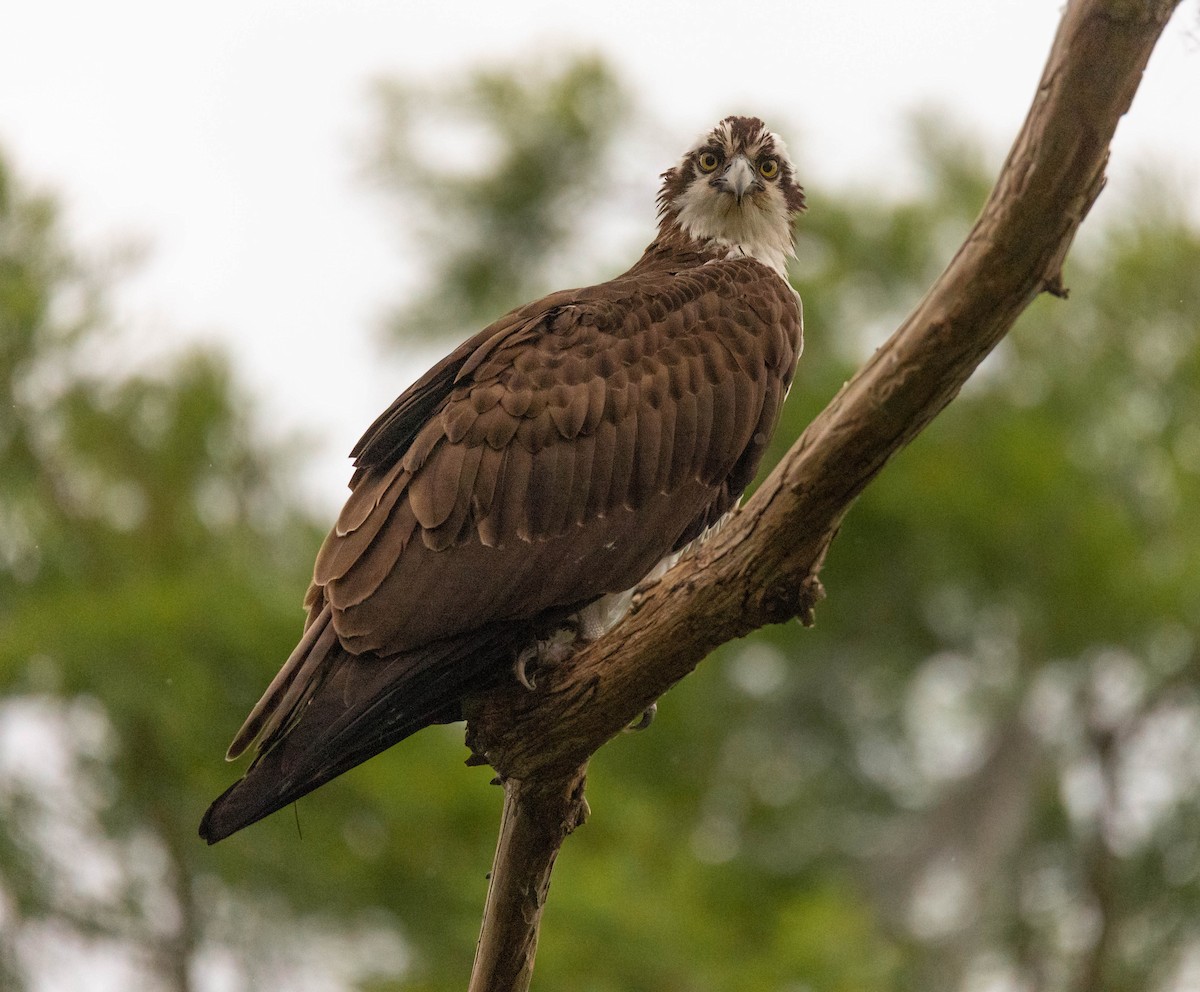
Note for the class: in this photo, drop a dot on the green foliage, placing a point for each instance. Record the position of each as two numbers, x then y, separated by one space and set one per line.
147 547
978 770
498 169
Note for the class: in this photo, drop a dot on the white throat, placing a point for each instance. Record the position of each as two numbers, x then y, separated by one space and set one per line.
758 228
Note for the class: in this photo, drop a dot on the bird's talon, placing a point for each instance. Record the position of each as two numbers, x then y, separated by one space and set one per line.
520 671
645 719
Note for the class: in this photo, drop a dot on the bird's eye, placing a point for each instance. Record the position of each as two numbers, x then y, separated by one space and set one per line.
708 161
768 168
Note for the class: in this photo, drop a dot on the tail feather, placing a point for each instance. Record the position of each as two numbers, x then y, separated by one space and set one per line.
329 710
282 694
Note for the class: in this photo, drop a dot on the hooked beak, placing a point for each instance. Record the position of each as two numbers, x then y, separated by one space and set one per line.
739 178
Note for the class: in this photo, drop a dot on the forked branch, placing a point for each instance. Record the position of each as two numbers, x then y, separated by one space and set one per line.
762 568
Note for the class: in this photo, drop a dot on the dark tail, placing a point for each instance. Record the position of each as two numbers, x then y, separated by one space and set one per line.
331 710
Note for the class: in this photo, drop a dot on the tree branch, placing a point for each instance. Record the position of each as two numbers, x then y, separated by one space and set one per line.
537 817
762 567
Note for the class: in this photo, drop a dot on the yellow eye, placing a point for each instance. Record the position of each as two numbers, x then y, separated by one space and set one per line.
768 168
707 161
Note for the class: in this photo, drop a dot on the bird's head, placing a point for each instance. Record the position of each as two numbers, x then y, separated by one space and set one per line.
736 188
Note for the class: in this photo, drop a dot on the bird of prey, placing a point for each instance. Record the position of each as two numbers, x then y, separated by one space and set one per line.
529 480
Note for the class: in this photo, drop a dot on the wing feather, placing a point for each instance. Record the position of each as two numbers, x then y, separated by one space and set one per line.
570 411
625 456
683 453
600 497
583 466
369 570
703 431
364 499
341 549
458 418
511 522
534 462
517 398
487 477
394 430
450 531
434 489
543 486
498 428
724 423
647 453
596 392
663 479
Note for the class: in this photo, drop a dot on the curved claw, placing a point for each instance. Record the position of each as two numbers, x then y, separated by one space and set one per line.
519 669
645 719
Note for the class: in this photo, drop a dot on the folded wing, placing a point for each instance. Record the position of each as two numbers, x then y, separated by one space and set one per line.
555 457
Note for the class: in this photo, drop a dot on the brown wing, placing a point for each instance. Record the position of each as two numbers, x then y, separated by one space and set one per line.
560 454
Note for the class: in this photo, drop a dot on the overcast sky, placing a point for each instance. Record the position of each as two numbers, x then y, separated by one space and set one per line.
228 135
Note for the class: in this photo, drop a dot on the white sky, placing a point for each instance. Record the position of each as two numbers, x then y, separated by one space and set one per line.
228 135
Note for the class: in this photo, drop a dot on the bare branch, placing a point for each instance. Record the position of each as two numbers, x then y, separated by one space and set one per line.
537 819
762 568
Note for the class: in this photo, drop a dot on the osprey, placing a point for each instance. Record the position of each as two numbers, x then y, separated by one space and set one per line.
521 488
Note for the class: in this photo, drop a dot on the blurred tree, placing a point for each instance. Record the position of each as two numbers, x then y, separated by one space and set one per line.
148 548
978 771
491 177
151 564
